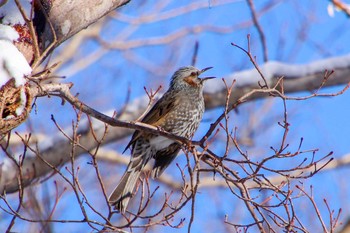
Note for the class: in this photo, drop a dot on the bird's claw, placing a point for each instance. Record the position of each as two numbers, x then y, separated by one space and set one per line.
159 128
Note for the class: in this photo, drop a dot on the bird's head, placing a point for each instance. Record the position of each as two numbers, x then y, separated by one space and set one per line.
188 77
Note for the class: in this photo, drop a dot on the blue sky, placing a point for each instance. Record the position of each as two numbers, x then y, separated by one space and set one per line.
297 32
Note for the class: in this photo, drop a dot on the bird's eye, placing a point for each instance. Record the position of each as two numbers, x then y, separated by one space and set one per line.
193 74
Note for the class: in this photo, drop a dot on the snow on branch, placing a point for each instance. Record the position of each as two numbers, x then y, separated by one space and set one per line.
13 91
296 78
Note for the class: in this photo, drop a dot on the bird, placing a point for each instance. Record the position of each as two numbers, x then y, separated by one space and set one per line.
179 111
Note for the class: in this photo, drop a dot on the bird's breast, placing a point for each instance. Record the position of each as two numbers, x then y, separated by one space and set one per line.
185 118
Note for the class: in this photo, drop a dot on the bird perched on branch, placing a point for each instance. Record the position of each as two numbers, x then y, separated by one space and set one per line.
179 111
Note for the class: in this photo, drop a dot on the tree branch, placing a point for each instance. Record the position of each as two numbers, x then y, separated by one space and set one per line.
295 80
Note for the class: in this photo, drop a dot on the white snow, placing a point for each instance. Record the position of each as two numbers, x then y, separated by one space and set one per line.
12 64
11 13
275 69
8 33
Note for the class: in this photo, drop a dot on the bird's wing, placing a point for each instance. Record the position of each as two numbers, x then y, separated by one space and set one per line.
163 158
156 115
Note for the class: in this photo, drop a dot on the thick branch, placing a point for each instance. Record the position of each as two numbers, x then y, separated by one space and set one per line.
297 78
67 18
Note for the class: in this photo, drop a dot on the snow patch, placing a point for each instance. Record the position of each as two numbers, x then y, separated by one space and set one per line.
8 33
274 69
11 13
12 64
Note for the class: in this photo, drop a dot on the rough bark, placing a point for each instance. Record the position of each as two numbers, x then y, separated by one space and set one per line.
66 18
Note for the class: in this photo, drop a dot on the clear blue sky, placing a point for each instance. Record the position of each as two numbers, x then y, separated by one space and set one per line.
297 32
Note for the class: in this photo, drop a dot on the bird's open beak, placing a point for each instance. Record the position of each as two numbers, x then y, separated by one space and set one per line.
206 78
205 69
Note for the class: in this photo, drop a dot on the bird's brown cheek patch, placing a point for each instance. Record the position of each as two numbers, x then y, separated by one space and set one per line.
190 81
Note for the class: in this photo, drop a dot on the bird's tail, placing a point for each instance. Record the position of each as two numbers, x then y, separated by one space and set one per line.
122 194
